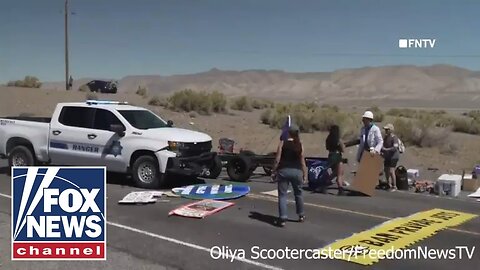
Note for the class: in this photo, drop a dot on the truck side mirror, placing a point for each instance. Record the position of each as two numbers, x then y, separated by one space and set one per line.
169 123
119 129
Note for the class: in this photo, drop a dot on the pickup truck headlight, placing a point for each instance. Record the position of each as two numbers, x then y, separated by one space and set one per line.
175 146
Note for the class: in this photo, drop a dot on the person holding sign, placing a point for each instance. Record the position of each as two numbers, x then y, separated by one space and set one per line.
290 168
370 140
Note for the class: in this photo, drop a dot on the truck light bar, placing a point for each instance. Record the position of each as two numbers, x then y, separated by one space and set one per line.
98 102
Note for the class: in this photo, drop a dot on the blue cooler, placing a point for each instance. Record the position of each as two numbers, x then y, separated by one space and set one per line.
318 172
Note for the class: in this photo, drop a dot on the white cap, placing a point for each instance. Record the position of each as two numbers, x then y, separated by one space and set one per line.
368 114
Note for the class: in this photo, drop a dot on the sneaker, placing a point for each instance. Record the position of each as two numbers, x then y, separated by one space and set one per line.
281 222
393 189
301 218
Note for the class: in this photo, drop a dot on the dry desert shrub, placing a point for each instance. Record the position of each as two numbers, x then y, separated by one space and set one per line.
28 81
201 102
242 104
83 88
91 96
157 101
142 91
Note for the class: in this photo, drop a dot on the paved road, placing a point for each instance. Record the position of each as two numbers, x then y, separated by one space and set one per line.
144 237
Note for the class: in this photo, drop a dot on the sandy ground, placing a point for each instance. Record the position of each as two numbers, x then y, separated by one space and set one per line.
245 128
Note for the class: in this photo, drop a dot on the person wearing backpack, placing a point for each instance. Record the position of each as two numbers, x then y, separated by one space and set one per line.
391 155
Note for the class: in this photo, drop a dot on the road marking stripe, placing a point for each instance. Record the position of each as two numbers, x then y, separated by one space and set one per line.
182 243
272 199
268 198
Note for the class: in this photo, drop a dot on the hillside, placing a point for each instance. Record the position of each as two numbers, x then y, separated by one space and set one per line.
434 86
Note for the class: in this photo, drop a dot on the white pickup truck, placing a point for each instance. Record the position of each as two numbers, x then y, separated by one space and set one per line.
124 138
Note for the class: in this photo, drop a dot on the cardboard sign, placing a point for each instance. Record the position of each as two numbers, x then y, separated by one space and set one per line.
476 194
367 174
213 191
200 209
141 197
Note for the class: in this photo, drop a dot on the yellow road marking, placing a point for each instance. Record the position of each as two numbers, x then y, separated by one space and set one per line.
273 199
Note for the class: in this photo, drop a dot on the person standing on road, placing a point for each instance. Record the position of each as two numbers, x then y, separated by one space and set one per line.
290 168
391 155
370 139
335 148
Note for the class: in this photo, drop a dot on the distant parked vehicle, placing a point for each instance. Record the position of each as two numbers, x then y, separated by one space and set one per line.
102 86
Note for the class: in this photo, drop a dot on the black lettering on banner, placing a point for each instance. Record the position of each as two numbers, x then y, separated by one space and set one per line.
414 225
427 222
372 243
385 237
445 215
401 230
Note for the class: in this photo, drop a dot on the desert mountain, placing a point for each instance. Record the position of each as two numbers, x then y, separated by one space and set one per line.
440 83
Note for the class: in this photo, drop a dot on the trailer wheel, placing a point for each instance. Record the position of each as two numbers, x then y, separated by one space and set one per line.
21 156
216 168
145 173
239 168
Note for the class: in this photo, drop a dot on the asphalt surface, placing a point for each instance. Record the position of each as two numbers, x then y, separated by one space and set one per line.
145 237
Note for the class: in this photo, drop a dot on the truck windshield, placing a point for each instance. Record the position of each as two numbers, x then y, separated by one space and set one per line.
142 119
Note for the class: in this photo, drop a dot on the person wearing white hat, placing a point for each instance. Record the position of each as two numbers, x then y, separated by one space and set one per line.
370 137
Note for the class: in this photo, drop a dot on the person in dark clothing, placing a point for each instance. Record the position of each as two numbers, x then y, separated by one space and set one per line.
290 168
335 148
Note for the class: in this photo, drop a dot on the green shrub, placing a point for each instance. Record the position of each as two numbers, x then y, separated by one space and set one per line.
474 114
407 113
84 88
28 81
469 126
157 101
330 107
242 104
265 117
309 117
142 91
91 96
421 133
377 114
260 104
219 102
200 102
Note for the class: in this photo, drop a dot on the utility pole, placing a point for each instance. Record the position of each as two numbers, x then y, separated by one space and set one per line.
67 86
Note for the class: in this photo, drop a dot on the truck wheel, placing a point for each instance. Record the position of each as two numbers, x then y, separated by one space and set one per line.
21 156
239 168
216 168
145 173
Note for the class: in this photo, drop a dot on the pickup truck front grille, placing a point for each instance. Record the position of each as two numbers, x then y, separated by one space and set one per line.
194 149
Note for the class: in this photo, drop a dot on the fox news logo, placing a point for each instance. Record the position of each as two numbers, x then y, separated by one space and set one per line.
58 213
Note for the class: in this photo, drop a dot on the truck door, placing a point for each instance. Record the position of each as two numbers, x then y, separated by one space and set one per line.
111 152
69 143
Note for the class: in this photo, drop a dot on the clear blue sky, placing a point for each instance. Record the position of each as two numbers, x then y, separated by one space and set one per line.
114 38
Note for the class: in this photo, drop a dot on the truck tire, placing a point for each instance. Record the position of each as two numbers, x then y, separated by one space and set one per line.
21 156
145 173
239 168
216 168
